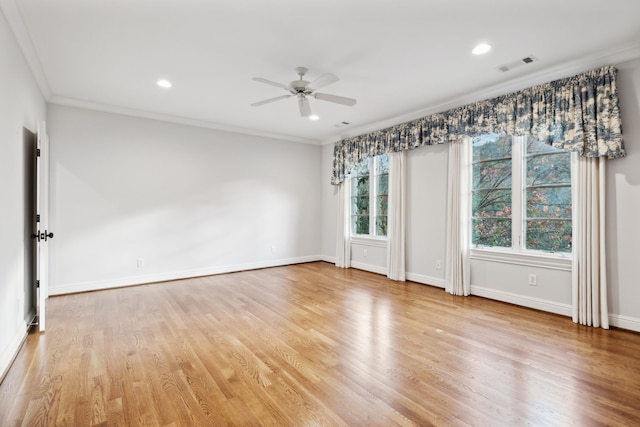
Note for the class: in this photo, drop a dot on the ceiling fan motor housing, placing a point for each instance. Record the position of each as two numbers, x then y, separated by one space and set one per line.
299 86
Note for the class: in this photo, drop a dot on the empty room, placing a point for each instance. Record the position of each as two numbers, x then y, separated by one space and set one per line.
339 213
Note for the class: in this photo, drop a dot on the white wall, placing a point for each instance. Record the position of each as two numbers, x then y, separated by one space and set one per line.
329 206
189 201
426 222
427 207
21 106
623 207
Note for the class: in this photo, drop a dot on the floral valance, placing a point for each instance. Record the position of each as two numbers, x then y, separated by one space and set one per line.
579 113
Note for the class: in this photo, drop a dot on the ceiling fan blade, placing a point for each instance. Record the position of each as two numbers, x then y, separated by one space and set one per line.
322 81
266 101
334 98
305 108
269 82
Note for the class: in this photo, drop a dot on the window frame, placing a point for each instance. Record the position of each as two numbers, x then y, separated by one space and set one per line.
371 237
518 253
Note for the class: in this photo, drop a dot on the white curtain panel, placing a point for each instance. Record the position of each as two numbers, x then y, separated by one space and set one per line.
457 280
589 273
343 245
396 213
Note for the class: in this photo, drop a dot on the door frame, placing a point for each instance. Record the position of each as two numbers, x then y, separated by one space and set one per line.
42 206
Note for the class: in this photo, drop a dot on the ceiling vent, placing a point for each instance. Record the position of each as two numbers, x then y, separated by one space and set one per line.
515 64
339 125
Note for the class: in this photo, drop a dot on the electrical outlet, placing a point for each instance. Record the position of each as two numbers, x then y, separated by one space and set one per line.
364 252
438 265
273 250
140 262
533 281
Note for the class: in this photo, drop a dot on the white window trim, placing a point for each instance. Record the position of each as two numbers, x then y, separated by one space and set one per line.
551 260
517 254
380 242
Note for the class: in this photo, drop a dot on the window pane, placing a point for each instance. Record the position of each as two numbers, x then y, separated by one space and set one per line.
534 146
553 168
492 190
382 188
381 225
360 206
383 184
548 198
491 146
492 174
549 202
491 203
369 195
362 168
383 164
362 185
491 232
354 185
549 235
360 224
381 207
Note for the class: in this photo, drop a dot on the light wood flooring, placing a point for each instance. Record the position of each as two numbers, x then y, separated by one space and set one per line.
313 345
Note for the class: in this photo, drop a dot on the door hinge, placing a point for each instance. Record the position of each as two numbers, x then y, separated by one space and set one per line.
37 152
37 283
37 217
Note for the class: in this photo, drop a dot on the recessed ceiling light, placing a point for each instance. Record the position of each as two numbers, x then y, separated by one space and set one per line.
164 83
314 117
481 49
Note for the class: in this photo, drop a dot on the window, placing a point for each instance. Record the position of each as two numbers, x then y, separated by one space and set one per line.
521 195
369 197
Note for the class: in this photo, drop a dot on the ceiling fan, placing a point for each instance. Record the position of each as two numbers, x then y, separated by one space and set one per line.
301 89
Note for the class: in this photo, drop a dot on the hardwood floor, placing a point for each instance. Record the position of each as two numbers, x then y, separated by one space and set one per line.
311 345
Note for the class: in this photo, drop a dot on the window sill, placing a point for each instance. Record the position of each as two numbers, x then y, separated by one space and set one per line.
530 259
369 241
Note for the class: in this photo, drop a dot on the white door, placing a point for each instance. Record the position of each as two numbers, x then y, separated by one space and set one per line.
42 217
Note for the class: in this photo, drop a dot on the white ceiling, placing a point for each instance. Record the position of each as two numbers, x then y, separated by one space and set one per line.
396 57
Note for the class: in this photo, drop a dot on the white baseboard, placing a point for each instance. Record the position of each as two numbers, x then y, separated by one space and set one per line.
175 275
426 280
617 320
525 301
327 258
11 351
624 322
369 267
419 278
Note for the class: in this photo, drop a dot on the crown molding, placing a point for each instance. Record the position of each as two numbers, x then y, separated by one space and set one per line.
77 103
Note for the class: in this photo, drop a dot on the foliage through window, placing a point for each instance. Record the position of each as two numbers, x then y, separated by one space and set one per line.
548 198
369 197
492 192
521 194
